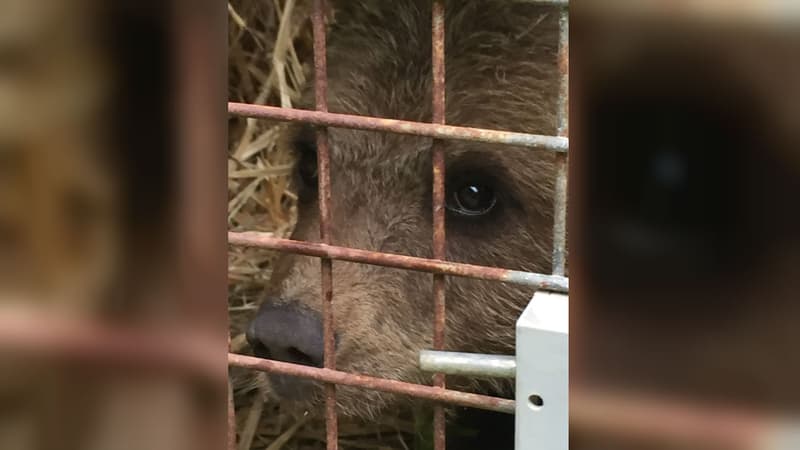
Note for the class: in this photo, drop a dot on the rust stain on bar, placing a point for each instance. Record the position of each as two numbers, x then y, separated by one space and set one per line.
437 131
51 336
266 240
439 240
563 3
231 408
231 419
44 334
591 410
323 169
379 384
560 193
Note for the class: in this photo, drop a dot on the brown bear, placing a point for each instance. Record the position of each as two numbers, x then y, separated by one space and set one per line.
501 73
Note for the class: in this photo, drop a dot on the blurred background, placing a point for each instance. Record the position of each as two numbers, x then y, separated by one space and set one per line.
109 337
684 224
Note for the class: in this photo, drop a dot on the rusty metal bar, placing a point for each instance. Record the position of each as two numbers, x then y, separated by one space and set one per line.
324 182
379 384
560 193
231 418
439 239
49 335
781 15
592 410
437 131
231 407
44 334
635 416
266 240
545 2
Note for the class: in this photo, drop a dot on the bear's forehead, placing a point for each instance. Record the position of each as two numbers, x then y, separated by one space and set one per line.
500 74
367 160
359 149
500 63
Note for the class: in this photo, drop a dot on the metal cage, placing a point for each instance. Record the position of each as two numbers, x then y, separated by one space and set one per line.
108 344
438 266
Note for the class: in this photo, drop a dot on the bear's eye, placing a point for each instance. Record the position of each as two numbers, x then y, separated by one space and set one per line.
471 199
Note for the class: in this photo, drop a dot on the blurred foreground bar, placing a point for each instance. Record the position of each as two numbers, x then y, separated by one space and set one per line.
684 224
112 241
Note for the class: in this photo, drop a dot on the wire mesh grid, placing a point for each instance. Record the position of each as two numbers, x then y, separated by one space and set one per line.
437 266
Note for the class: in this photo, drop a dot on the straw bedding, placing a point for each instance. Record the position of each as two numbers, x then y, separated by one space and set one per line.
270 57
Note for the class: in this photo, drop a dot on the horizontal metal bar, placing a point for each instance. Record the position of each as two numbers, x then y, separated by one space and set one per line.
553 143
46 334
468 364
562 3
379 384
266 240
664 419
49 335
746 12
591 410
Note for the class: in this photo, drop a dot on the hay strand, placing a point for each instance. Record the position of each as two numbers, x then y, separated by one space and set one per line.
269 56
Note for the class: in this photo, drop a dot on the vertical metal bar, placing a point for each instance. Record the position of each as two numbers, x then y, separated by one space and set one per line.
560 193
439 243
231 419
323 165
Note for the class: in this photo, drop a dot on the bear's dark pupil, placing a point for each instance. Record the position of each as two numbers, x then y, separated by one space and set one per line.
474 199
471 197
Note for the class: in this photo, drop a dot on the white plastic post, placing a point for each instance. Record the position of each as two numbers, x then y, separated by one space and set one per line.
542 415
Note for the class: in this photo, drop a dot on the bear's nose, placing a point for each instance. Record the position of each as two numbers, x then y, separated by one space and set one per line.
287 333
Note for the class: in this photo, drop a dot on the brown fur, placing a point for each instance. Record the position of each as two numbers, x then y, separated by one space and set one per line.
501 74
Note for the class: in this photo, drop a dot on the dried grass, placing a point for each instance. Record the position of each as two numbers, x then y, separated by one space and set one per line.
261 34
269 61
